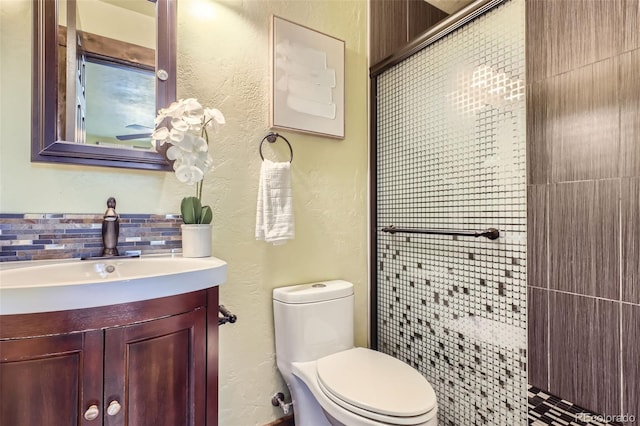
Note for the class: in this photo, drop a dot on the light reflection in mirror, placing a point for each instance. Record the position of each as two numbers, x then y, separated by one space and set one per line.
109 72
120 105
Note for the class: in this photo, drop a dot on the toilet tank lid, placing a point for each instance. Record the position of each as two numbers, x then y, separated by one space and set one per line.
320 291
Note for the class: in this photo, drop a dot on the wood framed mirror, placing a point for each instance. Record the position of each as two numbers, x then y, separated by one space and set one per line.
108 78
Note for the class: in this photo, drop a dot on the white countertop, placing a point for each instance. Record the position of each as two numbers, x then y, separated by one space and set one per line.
46 286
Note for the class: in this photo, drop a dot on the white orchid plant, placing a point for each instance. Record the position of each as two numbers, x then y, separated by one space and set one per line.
188 135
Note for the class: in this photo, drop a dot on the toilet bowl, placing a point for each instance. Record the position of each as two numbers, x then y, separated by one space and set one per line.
332 382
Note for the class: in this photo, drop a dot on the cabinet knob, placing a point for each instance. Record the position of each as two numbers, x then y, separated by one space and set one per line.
92 413
113 408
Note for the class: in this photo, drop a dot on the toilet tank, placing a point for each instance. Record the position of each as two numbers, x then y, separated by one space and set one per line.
313 320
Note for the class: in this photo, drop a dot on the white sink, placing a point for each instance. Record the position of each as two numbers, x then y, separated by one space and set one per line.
28 287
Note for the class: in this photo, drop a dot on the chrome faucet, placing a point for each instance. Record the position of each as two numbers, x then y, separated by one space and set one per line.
110 229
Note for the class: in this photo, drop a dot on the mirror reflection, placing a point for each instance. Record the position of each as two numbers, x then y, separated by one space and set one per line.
106 72
101 71
127 120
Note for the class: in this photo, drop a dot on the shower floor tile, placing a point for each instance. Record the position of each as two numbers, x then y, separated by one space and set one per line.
546 409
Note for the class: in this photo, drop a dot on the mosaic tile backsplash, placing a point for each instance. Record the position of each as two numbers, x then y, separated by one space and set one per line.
58 236
451 155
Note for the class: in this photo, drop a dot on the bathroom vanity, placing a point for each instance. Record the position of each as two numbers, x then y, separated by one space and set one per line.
143 362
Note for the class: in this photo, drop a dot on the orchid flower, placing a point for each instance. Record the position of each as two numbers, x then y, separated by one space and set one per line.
188 135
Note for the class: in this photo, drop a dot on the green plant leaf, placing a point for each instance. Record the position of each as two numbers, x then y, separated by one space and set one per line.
191 210
207 215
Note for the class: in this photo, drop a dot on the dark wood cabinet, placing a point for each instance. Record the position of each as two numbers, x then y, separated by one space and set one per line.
156 372
44 379
145 365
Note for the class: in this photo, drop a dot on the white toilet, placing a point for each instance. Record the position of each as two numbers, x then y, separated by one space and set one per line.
333 383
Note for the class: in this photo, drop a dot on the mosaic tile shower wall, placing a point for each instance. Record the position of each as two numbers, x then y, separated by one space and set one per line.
451 155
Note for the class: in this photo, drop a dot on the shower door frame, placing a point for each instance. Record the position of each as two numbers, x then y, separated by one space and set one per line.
433 34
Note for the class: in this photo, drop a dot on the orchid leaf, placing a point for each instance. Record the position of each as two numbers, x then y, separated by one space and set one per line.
207 215
191 210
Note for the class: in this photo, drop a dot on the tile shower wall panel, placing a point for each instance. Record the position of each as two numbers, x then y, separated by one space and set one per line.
630 215
583 132
583 345
537 224
584 103
538 337
581 34
629 106
584 234
630 357
451 154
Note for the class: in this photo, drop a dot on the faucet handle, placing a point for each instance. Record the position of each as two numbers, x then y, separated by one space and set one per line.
110 229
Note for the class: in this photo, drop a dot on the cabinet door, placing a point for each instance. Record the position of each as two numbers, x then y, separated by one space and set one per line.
156 372
51 380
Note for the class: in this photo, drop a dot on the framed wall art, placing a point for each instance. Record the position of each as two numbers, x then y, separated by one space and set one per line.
307 80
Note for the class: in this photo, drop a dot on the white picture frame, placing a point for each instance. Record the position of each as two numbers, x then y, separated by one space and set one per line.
307 80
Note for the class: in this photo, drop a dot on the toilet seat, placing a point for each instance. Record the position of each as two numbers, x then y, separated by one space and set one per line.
367 383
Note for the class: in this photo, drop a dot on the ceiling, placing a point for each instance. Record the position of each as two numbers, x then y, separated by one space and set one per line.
448 6
146 7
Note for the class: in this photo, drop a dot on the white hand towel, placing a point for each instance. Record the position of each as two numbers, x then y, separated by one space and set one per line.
274 216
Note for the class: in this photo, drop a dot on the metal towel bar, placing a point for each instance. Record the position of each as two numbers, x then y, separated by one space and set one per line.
491 233
226 316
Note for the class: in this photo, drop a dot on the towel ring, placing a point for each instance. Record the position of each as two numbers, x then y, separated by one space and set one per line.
271 138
